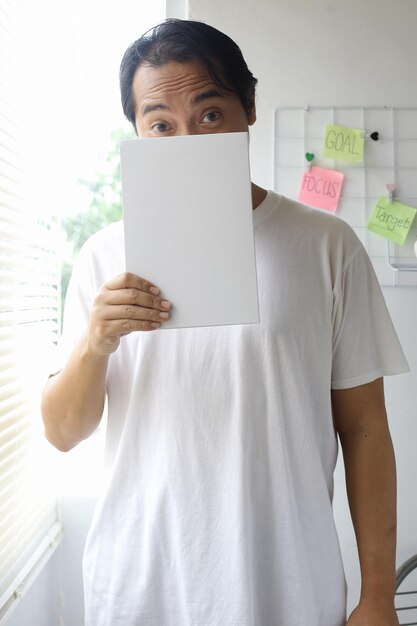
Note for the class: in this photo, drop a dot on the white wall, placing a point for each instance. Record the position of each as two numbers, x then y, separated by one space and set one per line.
324 53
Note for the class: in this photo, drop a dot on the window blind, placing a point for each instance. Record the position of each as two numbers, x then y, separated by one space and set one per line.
29 286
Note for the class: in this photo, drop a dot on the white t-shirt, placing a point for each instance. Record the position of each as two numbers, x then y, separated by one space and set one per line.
220 444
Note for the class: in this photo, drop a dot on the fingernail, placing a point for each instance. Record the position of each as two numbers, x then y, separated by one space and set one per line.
165 304
164 316
154 290
155 325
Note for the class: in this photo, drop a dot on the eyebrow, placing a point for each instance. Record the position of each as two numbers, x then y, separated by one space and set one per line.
148 108
205 95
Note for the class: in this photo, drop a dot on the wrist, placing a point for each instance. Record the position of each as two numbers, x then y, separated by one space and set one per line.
373 614
96 347
378 597
94 351
379 577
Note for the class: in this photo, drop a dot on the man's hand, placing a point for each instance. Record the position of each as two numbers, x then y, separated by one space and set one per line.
73 399
123 305
373 614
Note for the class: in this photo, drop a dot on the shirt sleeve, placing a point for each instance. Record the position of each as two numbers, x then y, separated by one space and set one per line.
365 343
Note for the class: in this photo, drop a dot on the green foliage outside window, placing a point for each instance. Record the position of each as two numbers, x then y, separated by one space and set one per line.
105 207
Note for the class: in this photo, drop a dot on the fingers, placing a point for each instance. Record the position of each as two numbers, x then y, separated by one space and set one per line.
132 312
134 297
131 281
125 304
121 327
129 289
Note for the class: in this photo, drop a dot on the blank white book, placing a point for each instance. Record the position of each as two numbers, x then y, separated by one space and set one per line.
187 211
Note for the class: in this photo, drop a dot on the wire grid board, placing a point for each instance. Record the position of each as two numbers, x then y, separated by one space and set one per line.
391 159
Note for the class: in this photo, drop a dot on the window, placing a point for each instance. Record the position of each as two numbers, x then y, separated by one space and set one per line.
72 132
29 524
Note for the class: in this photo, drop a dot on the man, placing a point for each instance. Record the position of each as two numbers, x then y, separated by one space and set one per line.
221 441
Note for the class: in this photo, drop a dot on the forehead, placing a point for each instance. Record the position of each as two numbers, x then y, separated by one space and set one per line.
170 80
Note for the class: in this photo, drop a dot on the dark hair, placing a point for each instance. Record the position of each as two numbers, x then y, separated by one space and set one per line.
182 41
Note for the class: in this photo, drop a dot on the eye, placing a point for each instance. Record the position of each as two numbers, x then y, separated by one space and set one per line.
211 116
160 127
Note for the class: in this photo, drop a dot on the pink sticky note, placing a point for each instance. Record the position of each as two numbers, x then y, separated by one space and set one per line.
321 188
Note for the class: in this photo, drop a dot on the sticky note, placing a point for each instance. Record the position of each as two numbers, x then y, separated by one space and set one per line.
321 188
343 144
391 220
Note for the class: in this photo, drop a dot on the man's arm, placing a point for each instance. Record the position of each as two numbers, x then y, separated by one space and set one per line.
73 399
361 422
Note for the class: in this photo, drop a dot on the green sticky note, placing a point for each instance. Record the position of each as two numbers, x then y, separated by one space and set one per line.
343 144
391 220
